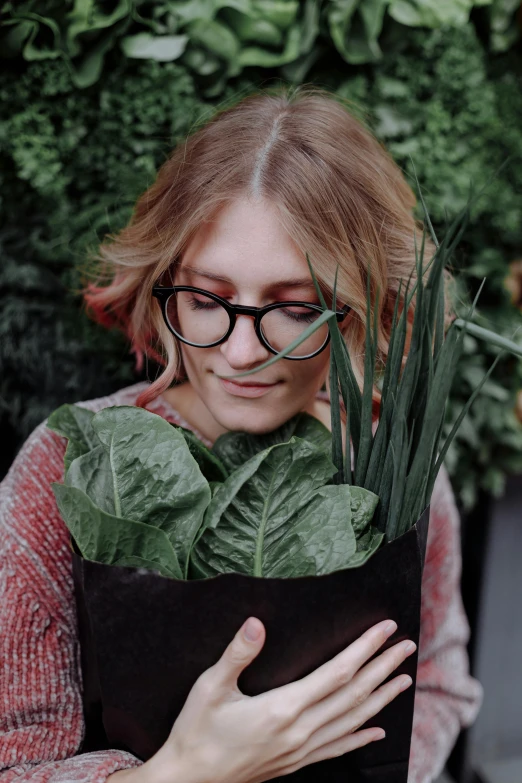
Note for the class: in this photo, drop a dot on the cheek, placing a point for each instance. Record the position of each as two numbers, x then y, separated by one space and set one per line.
192 362
308 376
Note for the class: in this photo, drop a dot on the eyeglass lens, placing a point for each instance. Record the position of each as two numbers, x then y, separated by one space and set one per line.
202 321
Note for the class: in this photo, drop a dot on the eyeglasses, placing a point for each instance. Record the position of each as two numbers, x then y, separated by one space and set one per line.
203 320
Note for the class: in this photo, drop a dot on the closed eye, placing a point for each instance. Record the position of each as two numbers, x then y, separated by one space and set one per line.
302 316
198 304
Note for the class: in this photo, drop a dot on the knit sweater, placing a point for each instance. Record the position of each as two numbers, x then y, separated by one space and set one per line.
41 718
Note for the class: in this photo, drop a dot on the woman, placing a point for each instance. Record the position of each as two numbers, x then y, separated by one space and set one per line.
230 217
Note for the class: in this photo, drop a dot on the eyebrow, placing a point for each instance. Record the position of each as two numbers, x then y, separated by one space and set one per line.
293 282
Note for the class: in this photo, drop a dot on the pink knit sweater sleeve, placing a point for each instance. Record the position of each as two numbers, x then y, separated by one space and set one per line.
41 718
447 697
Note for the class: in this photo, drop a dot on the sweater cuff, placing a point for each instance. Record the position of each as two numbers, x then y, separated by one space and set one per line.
111 761
94 767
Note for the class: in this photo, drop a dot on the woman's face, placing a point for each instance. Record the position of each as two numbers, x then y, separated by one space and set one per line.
247 257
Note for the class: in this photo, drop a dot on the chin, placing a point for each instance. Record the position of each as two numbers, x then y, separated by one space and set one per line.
254 419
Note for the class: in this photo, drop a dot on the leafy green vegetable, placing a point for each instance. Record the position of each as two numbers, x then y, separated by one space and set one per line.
274 516
106 538
142 492
141 469
235 448
74 423
209 462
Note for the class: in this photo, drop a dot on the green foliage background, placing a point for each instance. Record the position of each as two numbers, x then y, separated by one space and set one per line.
95 95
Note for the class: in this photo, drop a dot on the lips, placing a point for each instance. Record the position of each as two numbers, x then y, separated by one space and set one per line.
247 389
247 383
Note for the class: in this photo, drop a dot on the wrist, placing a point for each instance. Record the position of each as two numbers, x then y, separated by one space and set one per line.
166 766
128 775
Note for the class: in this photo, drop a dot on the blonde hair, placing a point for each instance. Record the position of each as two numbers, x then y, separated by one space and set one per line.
339 194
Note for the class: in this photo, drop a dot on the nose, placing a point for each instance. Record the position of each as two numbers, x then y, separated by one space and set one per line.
243 349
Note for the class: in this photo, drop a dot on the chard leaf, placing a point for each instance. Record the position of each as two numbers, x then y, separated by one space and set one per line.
92 473
257 504
368 538
233 449
321 539
209 463
367 544
362 505
74 450
75 423
154 477
113 540
274 516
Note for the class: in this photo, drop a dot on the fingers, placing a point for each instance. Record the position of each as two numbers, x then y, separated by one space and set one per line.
244 647
336 748
339 670
341 735
355 718
357 691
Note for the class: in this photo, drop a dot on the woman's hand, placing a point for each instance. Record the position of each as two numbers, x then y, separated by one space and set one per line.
223 736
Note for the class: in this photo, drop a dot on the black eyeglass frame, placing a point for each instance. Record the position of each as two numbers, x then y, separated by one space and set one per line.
163 293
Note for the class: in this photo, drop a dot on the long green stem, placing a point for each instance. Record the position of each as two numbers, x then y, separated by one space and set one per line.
490 337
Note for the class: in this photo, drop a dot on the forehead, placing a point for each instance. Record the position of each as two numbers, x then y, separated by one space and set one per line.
246 244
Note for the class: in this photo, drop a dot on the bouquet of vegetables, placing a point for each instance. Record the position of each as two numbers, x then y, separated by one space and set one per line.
142 492
171 537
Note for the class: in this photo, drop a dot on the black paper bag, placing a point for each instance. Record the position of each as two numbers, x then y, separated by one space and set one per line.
145 639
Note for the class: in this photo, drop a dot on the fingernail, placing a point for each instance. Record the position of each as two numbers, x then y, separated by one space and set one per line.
251 631
390 628
405 683
380 735
410 647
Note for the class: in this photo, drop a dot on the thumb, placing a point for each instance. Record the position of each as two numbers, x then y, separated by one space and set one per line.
244 647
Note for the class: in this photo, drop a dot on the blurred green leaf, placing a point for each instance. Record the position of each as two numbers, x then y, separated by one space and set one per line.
32 51
248 28
504 28
254 55
282 13
145 46
432 13
85 17
216 37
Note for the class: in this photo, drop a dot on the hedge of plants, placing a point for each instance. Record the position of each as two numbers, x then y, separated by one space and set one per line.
95 96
